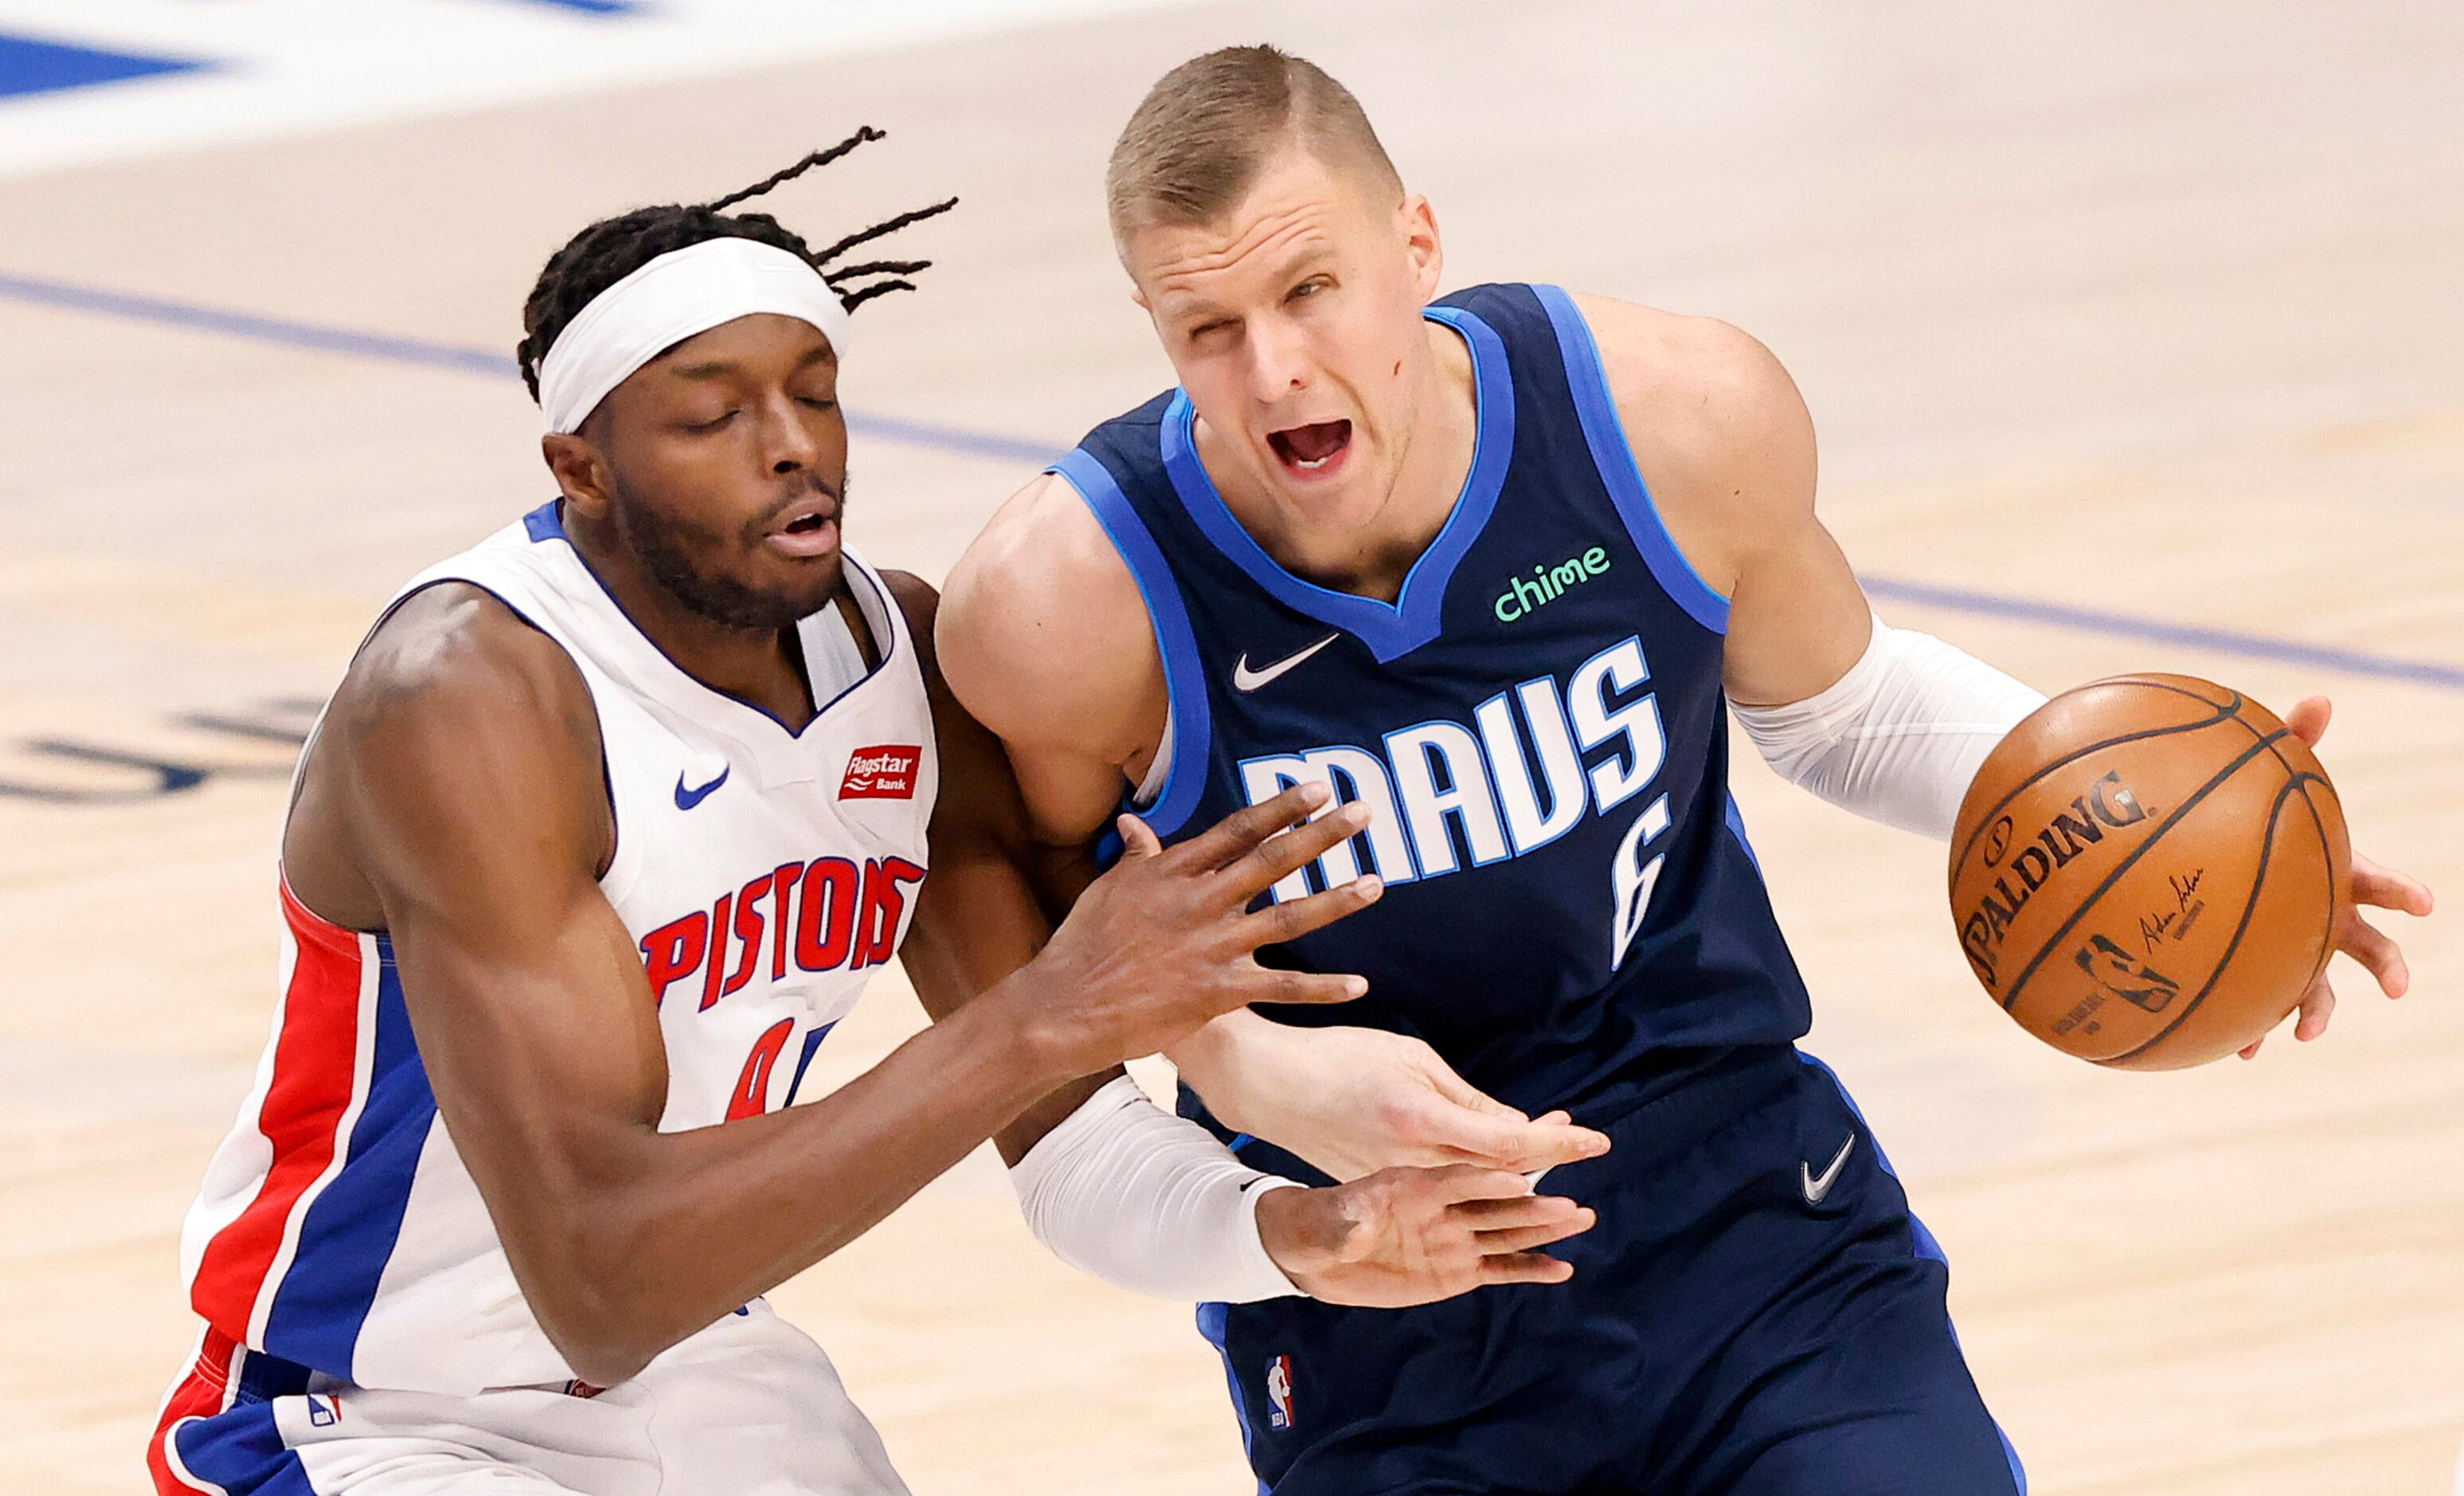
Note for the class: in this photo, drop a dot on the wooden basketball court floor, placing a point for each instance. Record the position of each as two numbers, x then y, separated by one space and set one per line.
2133 332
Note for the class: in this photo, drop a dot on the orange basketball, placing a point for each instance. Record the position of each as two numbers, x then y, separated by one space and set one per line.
2148 870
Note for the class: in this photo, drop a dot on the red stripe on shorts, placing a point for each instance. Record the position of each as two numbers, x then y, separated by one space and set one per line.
315 1070
200 1395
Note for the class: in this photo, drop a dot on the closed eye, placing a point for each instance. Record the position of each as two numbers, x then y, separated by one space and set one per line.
715 423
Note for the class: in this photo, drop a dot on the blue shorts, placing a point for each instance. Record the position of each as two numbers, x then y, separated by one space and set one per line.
1755 1315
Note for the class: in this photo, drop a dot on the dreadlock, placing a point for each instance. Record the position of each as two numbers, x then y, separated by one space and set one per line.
612 248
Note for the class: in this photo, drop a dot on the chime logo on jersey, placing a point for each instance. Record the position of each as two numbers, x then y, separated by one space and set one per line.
1531 764
885 771
823 916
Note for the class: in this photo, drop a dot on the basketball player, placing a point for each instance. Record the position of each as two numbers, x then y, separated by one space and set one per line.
1499 567
605 827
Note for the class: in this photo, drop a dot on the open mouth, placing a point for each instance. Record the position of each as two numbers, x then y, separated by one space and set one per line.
1311 449
810 529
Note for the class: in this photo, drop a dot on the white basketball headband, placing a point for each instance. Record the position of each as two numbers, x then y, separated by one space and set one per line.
668 300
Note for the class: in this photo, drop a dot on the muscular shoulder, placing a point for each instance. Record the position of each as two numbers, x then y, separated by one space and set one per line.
456 716
445 648
1043 635
1717 426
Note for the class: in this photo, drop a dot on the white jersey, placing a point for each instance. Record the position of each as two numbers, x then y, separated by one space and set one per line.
763 873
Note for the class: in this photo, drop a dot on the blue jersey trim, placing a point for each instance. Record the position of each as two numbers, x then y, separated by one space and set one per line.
241 1451
812 1042
1184 677
1390 630
1737 828
1215 1323
1925 1245
546 522
1605 435
349 1232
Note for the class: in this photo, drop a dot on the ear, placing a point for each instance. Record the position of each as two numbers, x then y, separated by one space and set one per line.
1418 222
1139 295
581 474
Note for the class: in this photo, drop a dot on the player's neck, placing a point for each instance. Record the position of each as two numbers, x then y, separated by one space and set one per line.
1372 559
764 667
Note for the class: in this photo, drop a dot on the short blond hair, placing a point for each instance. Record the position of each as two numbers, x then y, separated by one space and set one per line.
1196 143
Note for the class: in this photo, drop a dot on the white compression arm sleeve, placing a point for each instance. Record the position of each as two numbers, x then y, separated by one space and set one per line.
1900 737
1150 1202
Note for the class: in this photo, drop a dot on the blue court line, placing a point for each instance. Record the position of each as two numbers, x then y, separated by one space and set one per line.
32 65
386 348
2157 631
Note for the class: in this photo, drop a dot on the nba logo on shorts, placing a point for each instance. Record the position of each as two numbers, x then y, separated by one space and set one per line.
323 1410
1279 1392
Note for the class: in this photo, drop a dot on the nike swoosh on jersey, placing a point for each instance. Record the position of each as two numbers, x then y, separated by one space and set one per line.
687 799
1816 1186
1245 679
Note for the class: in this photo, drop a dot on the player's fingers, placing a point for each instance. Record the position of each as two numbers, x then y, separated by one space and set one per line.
1444 1080
1265 866
1242 829
1265 985
2317 1005
1278 923
1521 1239
2380 956
2384 888
1524 1267
1138 841
1554 1143
1516 1145
1514 1215
2251 1051
1458 1184
2308 718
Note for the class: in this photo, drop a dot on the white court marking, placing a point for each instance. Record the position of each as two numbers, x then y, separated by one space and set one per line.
285 67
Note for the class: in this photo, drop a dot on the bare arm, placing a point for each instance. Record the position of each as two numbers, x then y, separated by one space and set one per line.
1727 448
1729 457
981 914
454 800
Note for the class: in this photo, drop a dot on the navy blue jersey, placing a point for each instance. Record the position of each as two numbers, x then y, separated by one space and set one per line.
1572 912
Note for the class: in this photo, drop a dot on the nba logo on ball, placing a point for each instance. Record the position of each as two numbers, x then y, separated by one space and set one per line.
1279 1392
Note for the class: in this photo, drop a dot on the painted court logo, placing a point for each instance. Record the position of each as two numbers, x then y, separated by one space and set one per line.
1279 1392
885 772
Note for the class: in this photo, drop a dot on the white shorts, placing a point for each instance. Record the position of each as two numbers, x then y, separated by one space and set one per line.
748 1407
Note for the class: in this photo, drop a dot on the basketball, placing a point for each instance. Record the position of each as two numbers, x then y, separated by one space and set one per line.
2147 871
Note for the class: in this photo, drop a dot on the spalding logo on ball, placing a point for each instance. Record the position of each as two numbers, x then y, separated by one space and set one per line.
2149 871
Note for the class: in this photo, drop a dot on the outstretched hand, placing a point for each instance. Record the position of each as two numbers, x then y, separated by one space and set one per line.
1353 1101
1166 941
1415 1236
2374 885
